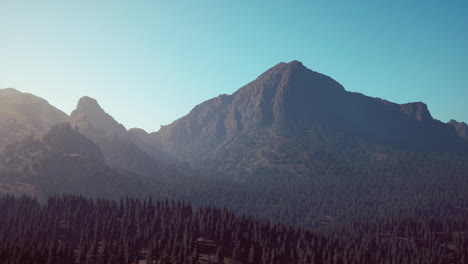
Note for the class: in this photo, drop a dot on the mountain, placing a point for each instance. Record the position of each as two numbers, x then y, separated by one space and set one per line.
279 117
122 149
293 145
22 114
60 160
94 121
461 128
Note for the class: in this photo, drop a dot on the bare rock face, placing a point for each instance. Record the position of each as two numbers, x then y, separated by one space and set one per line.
416 111
461 128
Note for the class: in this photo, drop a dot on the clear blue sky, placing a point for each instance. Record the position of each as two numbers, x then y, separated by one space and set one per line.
150 62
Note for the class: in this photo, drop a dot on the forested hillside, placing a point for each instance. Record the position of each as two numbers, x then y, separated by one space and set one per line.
351 181
345 179
72 229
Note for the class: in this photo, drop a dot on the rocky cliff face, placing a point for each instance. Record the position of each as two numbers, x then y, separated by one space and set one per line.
417 111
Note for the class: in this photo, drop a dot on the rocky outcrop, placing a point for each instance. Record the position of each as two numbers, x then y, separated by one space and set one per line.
461 128
93 121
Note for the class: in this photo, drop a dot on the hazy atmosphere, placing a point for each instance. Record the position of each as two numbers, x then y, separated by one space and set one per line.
150 62
233 132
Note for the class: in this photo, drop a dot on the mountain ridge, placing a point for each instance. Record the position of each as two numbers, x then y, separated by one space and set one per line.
289 97
22 114
122 149
292 145
89 109
59 160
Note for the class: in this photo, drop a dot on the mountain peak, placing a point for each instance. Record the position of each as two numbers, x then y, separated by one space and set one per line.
296 63
9 90
93 120
461 128
286 67
417 110
291 91
285 92
87 103
455 122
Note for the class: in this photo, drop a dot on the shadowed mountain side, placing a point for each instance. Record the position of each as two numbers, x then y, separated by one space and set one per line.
124 155
461 128
22 114
60 161
145 142
89 111
290 100
122 150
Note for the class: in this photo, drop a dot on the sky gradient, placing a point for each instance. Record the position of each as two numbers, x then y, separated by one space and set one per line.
150 62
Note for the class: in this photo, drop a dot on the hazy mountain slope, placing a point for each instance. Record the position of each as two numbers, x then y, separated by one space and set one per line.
274 114
122 150
61 160
144 141
90 112
22 114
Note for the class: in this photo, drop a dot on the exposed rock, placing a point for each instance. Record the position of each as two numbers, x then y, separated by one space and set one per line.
461 128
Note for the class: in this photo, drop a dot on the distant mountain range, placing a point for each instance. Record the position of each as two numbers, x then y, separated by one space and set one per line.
44 151
381 182
290 121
